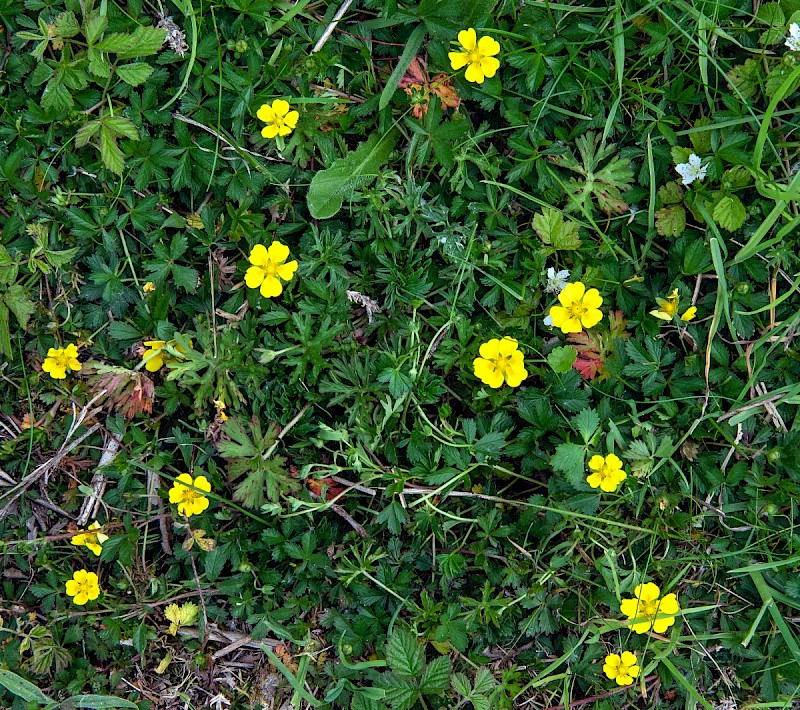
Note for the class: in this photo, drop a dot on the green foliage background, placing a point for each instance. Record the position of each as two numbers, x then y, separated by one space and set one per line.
470 564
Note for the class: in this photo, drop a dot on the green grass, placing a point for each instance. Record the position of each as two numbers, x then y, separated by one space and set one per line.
384 530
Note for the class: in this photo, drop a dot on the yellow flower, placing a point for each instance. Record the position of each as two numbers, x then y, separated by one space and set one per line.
268 265
83 586
668 308
220 406
149 287
579 308
500 361
607 473
93 540
279 119
155 356
59 360
622 669
647 611
478 58
190 501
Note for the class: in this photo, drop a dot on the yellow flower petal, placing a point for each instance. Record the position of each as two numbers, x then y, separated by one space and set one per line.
662 624
647 592
278 253
259 255
489 66
72 587
690 313
571 294
490 350
254 276
468 39
661 315
153 360
596 462
291 118
591 318
629 607
474 73
202 483
486 371
669 605
458 60
507 346
613 461
286 271
516 376
280 107
488 46
592 298
271 287
266 113
269 131
594 480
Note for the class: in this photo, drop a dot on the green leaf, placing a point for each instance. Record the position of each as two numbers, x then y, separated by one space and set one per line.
142 42
330 187
22 688
561 359
56 97
671 221
121 126
412 45
587 423
555 231
5 332
134 74
671 193
67 24
569 459
437 676
100 702
94 27
86 132
110 152
17 300
729 213
404 654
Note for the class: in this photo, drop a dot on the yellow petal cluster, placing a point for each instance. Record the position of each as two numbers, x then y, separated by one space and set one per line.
156 356
649 610
621 668
93 539
478 56
579 309
668 308
191 501
279 119
607 473
500 361
269 266
83 587
59 360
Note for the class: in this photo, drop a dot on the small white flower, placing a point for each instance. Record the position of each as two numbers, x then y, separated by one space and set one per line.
548 321
556 281
793 38
692 170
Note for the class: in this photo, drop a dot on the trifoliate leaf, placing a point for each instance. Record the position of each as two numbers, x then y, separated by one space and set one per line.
747 77
671 221
555 231
729 213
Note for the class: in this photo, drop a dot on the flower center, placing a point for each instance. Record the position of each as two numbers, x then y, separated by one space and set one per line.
271 268
649 609
190 495
62 360
577 310
474 57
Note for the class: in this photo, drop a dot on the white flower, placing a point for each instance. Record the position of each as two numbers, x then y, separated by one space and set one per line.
692 170
556 282
548 321
793 38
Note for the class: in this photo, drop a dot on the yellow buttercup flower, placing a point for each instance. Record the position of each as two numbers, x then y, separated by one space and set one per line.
155 356
93 540
622 669
83 587
478 56
648 611
59 360
190 501
607 473
279 119
579 308
149 287
500 361
668 308
268 267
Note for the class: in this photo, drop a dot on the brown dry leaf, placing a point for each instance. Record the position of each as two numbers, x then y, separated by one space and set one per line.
127 391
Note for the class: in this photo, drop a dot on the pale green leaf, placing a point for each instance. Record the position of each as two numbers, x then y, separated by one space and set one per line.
357 169
404 654
671 221
561 359
729 213
134 74
555 231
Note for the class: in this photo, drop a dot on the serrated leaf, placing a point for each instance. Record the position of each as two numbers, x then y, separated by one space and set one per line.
134 74
730 213
56 97
67 24
110 152
86 132
671 221
94 27
437 676
561 359
671 193
555 231
142 42
121 126
404 654
569 460
17 300
357 169
587 423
